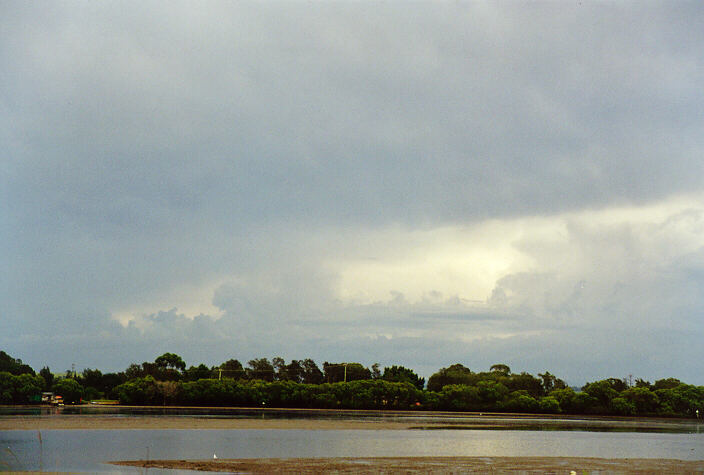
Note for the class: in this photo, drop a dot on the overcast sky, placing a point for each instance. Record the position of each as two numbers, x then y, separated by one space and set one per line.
417 184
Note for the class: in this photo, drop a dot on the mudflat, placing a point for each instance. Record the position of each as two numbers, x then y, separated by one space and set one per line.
438 465
323 419
101 422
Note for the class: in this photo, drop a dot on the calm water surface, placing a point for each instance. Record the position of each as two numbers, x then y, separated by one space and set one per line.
88 450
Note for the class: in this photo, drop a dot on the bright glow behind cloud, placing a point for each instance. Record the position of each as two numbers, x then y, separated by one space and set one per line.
467 262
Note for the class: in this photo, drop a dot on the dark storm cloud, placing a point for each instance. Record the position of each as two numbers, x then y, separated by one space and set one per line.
243 147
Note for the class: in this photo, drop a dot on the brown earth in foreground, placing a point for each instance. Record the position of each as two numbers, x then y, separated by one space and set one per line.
440 465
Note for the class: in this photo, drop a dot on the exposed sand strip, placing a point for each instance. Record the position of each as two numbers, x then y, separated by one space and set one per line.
335 420
68 422
439 465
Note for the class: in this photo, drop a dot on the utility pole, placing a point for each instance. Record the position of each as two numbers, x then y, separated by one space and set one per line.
345 365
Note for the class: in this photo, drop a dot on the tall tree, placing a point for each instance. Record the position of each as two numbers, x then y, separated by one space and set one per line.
337 372
48 376
232 369
70 389
170 361
194 373
400 374
294 371
500 368
134 371
311 372
279 365
551 382
92 378
14 366
455 374
260 368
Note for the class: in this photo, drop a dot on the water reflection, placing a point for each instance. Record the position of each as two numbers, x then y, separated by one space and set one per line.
88 450
419 420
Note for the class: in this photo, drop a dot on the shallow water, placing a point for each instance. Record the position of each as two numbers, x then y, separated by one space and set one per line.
419 420
88 450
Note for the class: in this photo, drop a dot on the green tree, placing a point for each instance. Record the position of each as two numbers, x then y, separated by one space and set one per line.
491 393
7 387
92 378
279 365
548 405
401 374
27 386
169 390
565 398
667 383
92 382
618 385
195 373
311 372
521 401
644 401
603 392
501 369
170 361
134 371
139 391
233 369
551 382
337 372
260 368
525 382
294 371
460 397
682 400
622 406
583 403
112 380
14 366
70 389
48 376
455 374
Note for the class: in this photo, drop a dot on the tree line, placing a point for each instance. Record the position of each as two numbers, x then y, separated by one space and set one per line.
303 384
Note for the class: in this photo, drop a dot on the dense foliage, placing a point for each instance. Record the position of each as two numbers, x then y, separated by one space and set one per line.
302 384
13 366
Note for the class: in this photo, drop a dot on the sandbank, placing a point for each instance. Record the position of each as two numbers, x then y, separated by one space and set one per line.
438 465
100 422
320 419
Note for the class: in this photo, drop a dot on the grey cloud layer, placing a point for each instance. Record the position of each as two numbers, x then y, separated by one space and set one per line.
148 147
334 113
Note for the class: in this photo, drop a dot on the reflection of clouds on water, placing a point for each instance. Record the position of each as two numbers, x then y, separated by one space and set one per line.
80 450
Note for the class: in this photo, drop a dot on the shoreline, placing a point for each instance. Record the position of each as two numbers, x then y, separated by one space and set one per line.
112 418
101 422
425 465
